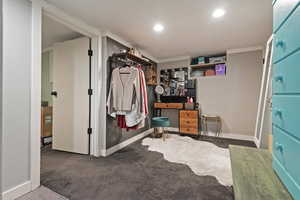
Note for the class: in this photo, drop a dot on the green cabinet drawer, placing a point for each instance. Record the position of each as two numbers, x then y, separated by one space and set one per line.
282 9
286 151
286 112
286 75
287 39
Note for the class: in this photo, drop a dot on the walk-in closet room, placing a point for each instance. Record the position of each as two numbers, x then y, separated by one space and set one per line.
150 100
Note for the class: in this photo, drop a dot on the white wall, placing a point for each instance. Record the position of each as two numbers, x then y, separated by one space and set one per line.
235 96
1 132
16 93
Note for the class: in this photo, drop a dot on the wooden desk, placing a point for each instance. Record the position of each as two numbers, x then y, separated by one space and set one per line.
188 119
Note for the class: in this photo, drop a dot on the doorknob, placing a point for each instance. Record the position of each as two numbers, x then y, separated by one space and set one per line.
54 93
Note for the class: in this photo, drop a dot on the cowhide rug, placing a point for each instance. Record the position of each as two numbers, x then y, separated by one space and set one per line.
202 157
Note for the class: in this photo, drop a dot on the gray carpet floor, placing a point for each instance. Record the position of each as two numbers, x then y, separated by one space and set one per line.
130 174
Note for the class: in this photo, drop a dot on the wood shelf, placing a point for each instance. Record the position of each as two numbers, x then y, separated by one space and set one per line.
206 65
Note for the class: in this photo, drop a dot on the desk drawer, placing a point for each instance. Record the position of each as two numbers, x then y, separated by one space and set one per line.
287 38
282 8
189 130
286 150
168 105
189 123
188 114
285 113
286 77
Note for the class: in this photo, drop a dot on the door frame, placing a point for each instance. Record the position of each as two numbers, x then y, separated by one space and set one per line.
265 84
40 7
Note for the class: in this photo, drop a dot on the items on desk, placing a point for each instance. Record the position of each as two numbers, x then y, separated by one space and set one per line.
159 90
176 84
189 106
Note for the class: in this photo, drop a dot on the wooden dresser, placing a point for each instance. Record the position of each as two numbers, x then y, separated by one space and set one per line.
189 122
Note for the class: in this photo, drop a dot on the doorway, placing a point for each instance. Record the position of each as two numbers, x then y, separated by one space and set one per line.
66 85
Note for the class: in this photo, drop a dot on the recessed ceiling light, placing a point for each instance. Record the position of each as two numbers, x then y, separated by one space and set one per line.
158 28
218 13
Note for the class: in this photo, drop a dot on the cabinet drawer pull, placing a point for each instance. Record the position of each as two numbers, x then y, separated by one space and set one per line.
279 147
279 78
280 43
278 112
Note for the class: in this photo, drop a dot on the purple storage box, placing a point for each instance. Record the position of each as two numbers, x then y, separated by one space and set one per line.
220 69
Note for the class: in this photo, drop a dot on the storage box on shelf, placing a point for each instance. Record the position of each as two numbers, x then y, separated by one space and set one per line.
212 66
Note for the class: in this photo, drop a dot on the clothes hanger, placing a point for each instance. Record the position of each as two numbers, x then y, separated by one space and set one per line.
124 66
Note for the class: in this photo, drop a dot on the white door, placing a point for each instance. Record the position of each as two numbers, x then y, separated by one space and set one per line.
70 106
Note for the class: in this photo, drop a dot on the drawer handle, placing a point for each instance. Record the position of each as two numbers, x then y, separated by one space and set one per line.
279 78
279 147
280 43
278 112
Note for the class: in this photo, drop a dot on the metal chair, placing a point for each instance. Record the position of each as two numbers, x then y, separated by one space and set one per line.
216 119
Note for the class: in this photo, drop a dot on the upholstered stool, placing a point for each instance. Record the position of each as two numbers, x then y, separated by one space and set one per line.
160 122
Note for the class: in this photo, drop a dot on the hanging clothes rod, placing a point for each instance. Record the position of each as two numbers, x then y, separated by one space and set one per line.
133 58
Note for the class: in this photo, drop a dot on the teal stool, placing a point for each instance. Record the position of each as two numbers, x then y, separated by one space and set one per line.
160 122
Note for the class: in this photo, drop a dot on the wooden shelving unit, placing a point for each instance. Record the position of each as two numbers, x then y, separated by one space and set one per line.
208 69
206 64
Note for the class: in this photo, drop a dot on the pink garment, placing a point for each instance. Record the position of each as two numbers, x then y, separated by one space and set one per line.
144 95
122 123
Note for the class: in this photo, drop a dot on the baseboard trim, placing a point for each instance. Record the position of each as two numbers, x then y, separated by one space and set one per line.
222 135
234 136
124 144
172 129
17 191
256 141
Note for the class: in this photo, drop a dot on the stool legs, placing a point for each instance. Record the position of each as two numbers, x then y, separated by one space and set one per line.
164 134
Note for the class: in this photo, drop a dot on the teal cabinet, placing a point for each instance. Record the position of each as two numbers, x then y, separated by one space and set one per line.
286 94
286 75
286 153
286 111
282 9
287 38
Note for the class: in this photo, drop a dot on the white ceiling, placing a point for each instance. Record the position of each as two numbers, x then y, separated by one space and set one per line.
54 32
189 28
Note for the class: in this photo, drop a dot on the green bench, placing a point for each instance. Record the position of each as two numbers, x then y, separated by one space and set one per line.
253 176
